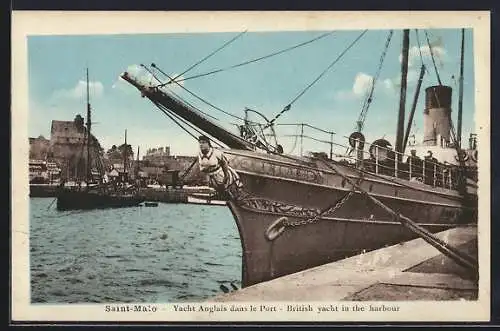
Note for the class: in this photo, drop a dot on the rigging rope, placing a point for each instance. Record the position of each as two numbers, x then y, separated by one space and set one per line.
207 57
196 96
173 117
287 107
184 175
190 104
432 57
419 48
392 180
296 139
295 158
159 80
163 109
256 59
369 98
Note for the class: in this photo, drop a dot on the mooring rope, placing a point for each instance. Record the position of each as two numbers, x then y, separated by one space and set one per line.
460 258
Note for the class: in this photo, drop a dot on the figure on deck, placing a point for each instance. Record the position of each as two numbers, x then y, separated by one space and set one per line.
415 164
431 168
214 163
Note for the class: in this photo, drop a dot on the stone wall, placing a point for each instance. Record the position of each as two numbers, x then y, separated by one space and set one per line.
39 148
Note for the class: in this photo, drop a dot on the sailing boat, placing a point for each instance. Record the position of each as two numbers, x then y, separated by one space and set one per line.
94 195
294 213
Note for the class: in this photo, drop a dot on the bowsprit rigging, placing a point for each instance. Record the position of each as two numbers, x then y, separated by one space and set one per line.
254 60
257 137
204 59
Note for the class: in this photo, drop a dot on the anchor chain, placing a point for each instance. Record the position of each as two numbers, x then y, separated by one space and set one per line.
279 226
329 210
317 217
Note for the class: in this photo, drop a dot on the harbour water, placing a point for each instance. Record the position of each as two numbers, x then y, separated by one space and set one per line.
169 253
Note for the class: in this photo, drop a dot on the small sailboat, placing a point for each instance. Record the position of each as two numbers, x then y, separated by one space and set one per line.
151 204
95 194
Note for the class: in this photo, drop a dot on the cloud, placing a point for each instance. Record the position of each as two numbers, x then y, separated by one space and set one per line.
438 50
145 77
122 85
79 91
388 84
394 84
362 84
139 73
344 95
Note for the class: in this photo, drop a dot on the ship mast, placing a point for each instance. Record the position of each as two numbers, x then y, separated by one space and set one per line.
460 93
402 100
136 173
89 137
125 158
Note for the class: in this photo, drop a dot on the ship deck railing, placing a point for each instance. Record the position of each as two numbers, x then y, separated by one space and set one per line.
384 160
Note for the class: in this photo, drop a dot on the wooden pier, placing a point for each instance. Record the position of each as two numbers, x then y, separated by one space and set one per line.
412 270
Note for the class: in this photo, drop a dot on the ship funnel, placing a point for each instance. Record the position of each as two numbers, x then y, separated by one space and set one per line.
437 115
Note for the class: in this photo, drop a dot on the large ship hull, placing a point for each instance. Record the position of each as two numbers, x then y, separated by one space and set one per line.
70 199
275 188
280 190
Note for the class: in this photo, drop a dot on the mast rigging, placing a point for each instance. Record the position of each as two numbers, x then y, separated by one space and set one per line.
125 156
414 106
460 92
301 93
364 111
432 57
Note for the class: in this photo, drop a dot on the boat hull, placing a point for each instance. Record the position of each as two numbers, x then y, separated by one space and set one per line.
204 199
82 200
269 195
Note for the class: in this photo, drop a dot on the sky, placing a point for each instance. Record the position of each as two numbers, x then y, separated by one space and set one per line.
57 87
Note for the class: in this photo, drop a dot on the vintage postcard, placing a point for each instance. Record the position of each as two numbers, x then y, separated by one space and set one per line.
250 166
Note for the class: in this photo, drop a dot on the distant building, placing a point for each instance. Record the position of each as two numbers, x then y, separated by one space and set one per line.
67 139
158 164
66 147
160 157
157 155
